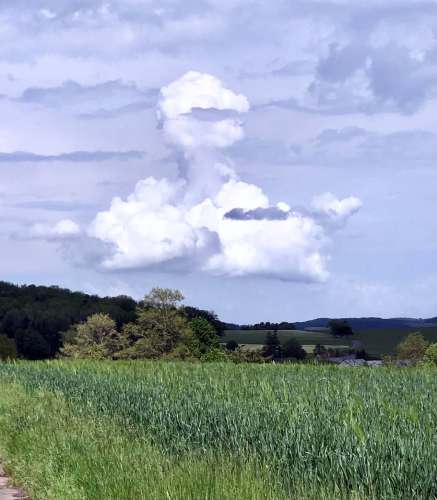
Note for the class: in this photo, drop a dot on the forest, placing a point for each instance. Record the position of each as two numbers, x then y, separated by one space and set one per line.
35 320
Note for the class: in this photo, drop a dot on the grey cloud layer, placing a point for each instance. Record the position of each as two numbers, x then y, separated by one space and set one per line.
386 78
105 100
74 157
352 147
346 56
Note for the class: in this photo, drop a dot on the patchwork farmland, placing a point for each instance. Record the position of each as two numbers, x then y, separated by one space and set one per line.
376 341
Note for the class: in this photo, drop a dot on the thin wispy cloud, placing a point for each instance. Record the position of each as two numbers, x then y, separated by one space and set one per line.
73 157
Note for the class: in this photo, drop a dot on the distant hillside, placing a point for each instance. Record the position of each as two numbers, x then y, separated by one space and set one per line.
357 324
433 321
35 316
360 324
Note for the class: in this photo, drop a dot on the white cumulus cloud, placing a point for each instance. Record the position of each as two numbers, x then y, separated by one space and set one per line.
336 211
188 222
150 227
199 91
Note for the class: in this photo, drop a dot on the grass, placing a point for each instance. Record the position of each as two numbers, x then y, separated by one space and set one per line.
377 341
218 431
59 453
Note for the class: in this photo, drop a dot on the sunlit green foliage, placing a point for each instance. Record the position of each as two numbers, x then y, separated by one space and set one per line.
413 347
430 356
96 338
205 335
161 328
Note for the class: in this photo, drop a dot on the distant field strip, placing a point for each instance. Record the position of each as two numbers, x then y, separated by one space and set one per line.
307 348
376 341
304 337
219 431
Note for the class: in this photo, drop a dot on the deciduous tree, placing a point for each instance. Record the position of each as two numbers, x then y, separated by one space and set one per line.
272 346
340 327
96 338
161 327
430 355
205 335
293 349
413 347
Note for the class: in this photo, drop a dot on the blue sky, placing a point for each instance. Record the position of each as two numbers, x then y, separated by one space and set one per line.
273 160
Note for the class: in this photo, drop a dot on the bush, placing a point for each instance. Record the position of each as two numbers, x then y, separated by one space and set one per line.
180 352
413 347
215 355
247 356
8 349
205 334
293 349
232 345
272 347
430 356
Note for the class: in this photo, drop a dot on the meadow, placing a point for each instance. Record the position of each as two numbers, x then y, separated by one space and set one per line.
154 430
376 341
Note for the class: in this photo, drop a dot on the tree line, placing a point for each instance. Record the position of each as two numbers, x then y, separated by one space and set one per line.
36 320
59 323
163 328
267 325
45 322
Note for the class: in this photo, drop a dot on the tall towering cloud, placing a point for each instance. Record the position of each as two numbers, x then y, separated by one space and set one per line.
187 223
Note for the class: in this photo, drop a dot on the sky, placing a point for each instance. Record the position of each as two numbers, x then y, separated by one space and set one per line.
273 160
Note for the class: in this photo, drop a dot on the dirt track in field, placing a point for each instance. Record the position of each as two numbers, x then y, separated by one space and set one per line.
8 492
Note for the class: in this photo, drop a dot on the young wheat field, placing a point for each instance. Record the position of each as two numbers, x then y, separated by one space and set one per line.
154 430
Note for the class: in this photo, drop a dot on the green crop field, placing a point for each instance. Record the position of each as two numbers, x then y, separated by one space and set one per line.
304 337
377 341
308 348
380 341
154 430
